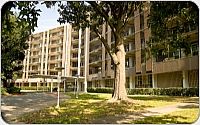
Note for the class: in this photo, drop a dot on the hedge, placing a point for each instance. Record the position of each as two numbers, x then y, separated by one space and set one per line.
100 90
152 91
13 90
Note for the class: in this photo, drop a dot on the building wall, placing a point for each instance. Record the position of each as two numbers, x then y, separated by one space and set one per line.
172 79
99 71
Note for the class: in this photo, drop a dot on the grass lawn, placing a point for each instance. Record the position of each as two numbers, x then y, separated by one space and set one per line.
89 107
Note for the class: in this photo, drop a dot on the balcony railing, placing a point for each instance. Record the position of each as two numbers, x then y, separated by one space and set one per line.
187 63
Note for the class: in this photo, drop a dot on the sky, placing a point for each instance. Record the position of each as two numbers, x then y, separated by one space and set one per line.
47 19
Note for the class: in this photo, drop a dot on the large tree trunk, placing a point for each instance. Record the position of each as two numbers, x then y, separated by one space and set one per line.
120 80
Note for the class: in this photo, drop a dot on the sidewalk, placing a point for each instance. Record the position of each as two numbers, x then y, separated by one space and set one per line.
127 118
167 109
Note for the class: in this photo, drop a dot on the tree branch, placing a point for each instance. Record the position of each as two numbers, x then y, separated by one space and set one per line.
108 49
103 13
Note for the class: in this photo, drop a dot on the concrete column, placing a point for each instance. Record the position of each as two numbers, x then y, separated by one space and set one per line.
185 79
64 51
130 82
102 83
27 68
67 32
42 59
29 84
51 85
47 44
154 80
79 51
86 47
64 86
133 81
24 69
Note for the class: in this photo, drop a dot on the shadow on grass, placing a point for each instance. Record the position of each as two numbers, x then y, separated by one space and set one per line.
75 111
95 109
165 119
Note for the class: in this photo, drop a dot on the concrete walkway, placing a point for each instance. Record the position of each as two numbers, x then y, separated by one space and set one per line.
167 109
16 105
128 118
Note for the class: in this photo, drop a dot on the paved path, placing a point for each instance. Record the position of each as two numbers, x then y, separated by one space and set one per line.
169 108
16 105
129 117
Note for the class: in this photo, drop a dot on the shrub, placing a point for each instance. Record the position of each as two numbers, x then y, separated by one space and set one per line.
13 90
3 91
100 90
152 91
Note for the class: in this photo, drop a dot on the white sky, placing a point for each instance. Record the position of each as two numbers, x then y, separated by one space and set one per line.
47 19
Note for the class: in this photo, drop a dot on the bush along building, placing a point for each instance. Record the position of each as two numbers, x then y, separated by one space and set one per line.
81 52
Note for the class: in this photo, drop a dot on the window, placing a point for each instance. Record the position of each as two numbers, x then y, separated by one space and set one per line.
150 81
74 73
138 82
74 64
109 83
195 49
89 84
127 82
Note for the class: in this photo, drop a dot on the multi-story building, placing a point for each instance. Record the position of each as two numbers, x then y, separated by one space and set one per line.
61 47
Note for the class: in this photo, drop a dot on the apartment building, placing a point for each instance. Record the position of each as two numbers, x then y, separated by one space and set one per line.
82 53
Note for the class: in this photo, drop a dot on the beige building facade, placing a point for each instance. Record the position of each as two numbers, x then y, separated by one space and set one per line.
82 53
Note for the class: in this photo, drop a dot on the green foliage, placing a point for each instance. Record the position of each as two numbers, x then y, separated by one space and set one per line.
165 91
152 91
15 31
168 21
3 91
100 90
13 90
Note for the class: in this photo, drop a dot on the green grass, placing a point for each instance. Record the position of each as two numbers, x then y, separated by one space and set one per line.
185 116
89 107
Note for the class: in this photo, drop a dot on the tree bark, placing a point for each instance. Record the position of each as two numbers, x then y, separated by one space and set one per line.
120 80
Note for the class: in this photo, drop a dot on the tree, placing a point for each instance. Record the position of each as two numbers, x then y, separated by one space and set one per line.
168 21
93 15
16 28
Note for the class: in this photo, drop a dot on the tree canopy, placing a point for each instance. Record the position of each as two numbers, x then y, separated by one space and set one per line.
168 21
15 30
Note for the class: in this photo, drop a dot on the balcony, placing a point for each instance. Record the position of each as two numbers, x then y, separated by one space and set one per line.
54 45
95 40
188 63
75 41
94 76
74 58
55 53
96 51
95 61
